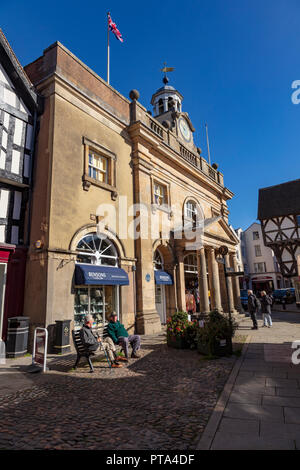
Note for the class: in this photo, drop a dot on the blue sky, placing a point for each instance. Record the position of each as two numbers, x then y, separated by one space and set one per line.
235 61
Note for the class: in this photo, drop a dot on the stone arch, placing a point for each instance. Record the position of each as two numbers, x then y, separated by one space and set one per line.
165 250
86 229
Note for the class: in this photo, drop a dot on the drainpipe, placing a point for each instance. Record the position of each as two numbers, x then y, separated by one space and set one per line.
31 176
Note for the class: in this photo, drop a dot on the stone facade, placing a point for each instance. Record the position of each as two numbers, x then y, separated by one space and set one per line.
84 116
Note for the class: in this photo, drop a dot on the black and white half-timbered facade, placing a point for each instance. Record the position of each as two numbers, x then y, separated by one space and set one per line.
18 116
279 213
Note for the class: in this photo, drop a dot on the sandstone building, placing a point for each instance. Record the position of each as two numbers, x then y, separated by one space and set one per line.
99 153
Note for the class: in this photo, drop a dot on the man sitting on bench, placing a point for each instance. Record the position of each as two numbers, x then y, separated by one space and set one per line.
120 336
92 343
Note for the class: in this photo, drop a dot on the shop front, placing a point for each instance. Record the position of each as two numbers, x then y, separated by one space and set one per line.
265 283
162 280
4 257
12 273
98 281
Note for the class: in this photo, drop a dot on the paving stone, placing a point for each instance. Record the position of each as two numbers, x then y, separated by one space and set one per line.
287 392
225 441
250 388
245 398
274 374
281 401
277 430
286 383
255 367
249 381
239 426
294 374
292 415
251 411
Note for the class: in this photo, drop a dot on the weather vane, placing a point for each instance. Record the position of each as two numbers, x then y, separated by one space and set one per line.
166 69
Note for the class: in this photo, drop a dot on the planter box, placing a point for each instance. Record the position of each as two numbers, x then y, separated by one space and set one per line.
218 347
175 342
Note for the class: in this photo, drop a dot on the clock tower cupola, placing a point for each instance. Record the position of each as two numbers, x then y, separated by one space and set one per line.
167 109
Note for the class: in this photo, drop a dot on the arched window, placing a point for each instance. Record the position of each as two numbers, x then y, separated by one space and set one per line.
160 106
190 263
96 250
190 212
170 103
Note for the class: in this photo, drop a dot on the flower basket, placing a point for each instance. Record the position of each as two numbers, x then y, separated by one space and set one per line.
176 330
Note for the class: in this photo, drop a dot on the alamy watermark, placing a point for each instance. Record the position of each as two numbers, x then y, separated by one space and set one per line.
296 94
296 353
151 222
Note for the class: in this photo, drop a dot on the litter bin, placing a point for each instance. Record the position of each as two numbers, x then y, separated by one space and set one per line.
62 336
17 336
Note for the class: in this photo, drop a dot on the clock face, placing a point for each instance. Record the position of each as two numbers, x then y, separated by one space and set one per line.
185 129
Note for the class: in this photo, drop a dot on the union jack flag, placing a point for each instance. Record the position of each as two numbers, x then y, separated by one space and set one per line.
113 28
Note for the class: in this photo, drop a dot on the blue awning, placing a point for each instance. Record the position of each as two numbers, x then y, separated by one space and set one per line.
100 275
161 277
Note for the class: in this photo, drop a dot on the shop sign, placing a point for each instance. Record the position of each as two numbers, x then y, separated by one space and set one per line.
39 355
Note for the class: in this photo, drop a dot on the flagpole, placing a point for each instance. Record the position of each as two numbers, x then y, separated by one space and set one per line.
107 50
208 151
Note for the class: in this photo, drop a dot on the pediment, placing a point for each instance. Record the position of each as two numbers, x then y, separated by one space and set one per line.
219 228
214 228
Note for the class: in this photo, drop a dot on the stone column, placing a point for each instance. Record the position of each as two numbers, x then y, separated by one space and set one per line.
147 318
165 100
180 284
215 280
229 287
236 285
202 279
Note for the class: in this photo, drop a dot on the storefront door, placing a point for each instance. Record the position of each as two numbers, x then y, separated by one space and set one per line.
160 302
3 267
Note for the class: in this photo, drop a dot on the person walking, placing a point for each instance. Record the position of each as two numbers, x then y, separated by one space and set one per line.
253 307
266 303
190 302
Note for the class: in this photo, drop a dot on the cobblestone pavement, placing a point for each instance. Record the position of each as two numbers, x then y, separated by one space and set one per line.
161 401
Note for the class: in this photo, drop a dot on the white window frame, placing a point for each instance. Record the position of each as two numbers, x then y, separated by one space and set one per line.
93 167
257 249
163 196
257 268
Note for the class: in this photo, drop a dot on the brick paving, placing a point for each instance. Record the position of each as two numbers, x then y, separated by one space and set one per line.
263 407
161 401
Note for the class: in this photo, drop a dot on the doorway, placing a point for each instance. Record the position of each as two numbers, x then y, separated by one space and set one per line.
160 302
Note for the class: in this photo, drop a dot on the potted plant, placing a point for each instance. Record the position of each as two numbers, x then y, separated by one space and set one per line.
215 337
176 330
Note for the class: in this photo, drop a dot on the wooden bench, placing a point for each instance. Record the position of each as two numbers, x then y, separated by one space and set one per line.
82 350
